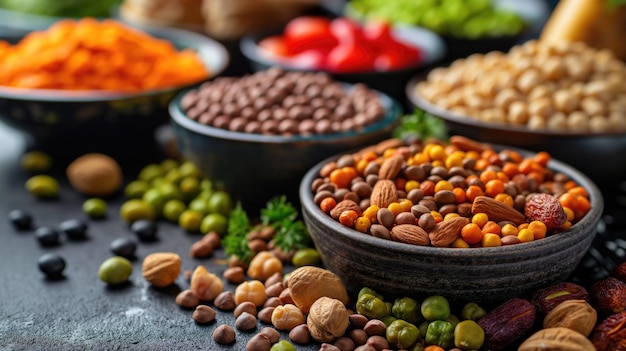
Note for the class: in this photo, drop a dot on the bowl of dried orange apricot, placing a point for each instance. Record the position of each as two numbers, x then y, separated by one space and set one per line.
460 218
565 98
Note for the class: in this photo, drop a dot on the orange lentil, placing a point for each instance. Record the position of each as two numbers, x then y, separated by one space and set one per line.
437 163
570 184
472 192
410 185
328 204
494 187
371 213
98 55
569 200
433 348
538 228
481 164
525 235
510 169
451 215
362 224
437 152
369 156
342 177
542 158
538 176
389 152
491 227
459 194
567 225
471 233
405 205
480 219
488 175
454 160
505 199
360 166
491 240
570 213
420 158
460 244
400 183
437 216
509 229
578 190
502 176
395 208
443 185
522 226
348 218
428 187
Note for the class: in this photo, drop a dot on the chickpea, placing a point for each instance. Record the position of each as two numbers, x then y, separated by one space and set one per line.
542 107
593 106
287 317
599 124
553 69
565 101
528 80
518 113
253 291
536 122
577 121
618 121
541 91
263 265
506 97
599 89
557 122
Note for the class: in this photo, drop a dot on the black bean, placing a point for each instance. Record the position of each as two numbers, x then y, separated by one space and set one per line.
124 247
146 230
75 229
20 219
52 265
47 236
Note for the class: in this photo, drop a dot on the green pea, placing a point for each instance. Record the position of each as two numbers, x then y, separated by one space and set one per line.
423 327
43 186
408 309
115 270
366 290
440 333
36 162
220 202
402 334
388 320
136 209
170 191
168 164
199 205
214 222
188 169
435 307
205 194
158 182
453 319
173 176
189 186
95 207
190 221
172 210
206 184
468 335
136 189
283 345
472 311
306 257
154 197
150 172
371 306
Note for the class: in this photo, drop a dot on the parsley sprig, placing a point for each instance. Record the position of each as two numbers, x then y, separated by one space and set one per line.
421 124
290 232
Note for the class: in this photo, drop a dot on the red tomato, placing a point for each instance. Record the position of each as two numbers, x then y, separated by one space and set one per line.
310 59
379 32
351 58
346 30
274 46
397 56
309 33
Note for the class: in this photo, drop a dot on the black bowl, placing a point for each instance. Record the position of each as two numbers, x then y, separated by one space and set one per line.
54 117
256 167
483 275
389 82
600 156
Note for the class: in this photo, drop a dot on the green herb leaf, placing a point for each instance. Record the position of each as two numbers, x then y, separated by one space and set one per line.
612 4
290 232
422 125
278 210
236 240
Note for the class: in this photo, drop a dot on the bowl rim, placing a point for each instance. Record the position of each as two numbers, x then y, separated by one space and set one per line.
409 35
449 116
580 228
214 56
393 110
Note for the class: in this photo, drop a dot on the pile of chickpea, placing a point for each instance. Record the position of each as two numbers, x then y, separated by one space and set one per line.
564 87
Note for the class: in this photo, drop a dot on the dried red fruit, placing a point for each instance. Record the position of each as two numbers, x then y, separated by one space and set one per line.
608 295
545 299
610 335
507 323
547 209
620 272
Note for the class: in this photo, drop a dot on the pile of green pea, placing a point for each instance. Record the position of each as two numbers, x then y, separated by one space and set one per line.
412 325
176 191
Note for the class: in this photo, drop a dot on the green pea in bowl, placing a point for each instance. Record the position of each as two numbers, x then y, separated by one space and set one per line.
65 119
480 274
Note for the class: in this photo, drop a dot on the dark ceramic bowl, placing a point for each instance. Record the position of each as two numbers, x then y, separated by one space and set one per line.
599 156
56 116
256 167
483 275
390 82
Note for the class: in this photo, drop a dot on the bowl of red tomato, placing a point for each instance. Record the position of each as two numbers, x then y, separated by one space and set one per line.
375 53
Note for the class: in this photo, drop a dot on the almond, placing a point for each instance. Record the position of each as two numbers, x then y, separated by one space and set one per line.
345 205
447 231
390 168
410 234
388 144
497 211
383 193
467 144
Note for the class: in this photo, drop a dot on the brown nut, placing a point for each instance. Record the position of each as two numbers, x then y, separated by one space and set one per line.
95 174
390 167
620 272
610 334
545 299
375 327
245 321
577 315
259 342
187 299
201 249
327 319
357 321
203 314
384 193
246 306
234 275
300 334
344 343
447 231
496 210
557 339
506 323
161 268
608 295
378 342
410 234
345 205
225 301
265 314
272 334
309 283
224 335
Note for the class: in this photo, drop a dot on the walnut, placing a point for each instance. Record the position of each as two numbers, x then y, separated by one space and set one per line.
557 339
308 283
161 268
327 319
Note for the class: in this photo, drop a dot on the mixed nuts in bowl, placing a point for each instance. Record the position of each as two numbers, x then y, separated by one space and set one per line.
462 219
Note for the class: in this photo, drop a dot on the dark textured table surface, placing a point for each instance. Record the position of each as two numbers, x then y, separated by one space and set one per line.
79 312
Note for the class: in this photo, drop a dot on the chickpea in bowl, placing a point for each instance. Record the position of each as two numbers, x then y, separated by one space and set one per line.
555 97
